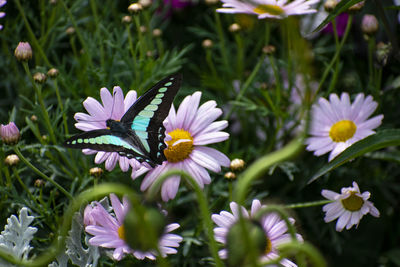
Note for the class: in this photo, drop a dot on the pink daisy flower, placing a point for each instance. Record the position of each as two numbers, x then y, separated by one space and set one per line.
108 231
190 129
274 227
113 107
348 207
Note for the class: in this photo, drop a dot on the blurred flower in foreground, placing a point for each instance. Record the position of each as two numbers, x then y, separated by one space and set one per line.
108 231
190 129
348 207
269 8
341 23
336 124
2 14
9 133
114 107
274 229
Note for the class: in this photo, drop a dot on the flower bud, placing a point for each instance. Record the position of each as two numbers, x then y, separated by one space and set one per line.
157 33
39 183
23 52
143 29
234 27
34 118
357 7
230 176
382 54
139 239
238 253
237 164
10 133
269 49
369 24
53 73
70 30
135 8
330 5
145 3
11 160
96 172
126 19
53 2
207 43
39 77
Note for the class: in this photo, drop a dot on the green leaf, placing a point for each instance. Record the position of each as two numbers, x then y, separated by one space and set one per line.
341 7
382 139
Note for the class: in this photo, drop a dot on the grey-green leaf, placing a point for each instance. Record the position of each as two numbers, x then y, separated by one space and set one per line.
382 139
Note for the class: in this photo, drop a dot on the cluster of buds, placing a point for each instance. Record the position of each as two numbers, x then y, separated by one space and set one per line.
236 165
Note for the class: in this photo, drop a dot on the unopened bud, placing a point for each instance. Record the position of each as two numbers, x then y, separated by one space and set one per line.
34 118
234 27
96 172
11 160
230 176
382 54
44 137
70 30
207 43
269 49
143 29
149 53
330 5
39 183
237 164
52 73
157 32
23 52
357 7
10 133
53 2
145 3
135 8
39 77
369 24
126 19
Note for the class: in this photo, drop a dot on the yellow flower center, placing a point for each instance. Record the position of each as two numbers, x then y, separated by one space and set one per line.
180 146
269 246
121 232
269 9
353 202
342 131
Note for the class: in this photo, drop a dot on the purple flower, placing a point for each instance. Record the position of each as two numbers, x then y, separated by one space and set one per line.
108 231
2 14
341 23
113 107
9 133
177 4
190 129
274 227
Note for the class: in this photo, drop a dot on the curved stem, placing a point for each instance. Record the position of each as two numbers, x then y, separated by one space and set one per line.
205 212
308 204
41 174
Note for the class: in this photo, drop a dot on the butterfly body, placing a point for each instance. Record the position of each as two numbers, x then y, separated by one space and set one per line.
140 133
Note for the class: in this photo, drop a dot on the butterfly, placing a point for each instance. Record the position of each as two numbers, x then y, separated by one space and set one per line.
140 133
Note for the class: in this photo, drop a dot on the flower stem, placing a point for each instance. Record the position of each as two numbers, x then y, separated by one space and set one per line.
41 174
15 170
308 204
221 37
201 199
61 105
41 103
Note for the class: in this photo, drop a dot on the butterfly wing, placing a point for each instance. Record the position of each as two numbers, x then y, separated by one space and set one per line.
145 117
108 141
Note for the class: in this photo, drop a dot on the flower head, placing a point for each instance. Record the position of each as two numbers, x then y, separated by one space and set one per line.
274 228
108 231
2 14
113 107
9 133
190 129
23 51
348 207
276 9
336 124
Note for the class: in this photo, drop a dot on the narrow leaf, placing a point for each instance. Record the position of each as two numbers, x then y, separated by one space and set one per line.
382 139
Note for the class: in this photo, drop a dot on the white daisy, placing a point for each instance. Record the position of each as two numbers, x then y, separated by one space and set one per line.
190 129
274 227
336 124
349 206
276 9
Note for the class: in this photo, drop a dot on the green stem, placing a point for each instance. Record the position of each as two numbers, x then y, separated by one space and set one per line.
61 105
221 37
133 54
15 170
240 55
337 53
202 201
42 106
141 41
97 31
210 62
336 71
35 42
41 174
308 204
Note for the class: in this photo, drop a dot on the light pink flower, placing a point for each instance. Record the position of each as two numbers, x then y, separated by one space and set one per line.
274 227
190 129
106 230
348 207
